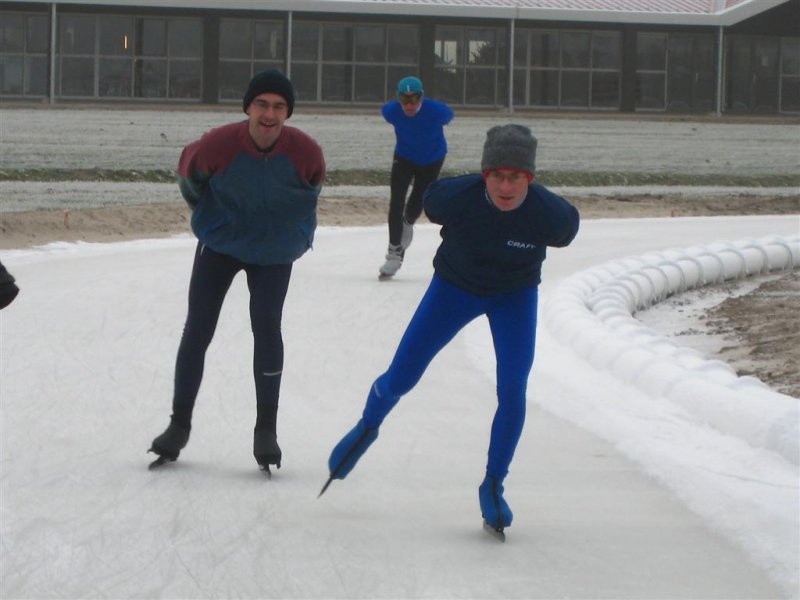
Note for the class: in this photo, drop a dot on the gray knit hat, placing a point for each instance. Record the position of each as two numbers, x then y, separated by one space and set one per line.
509 147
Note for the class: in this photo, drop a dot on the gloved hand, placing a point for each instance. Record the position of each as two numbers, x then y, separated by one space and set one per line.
8 289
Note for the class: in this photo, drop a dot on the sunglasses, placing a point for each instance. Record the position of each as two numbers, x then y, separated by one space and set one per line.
409 98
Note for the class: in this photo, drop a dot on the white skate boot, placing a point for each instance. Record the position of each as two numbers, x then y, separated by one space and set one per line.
394 259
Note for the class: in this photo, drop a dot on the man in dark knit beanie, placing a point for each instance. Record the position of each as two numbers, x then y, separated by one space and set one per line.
253 188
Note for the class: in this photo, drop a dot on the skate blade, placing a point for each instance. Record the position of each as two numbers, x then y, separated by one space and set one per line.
161 460
325 487
264 466
496 532
384 276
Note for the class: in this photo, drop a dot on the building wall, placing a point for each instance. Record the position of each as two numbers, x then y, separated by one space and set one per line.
114 54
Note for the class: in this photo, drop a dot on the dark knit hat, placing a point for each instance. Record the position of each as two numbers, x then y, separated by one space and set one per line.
509 147
271 81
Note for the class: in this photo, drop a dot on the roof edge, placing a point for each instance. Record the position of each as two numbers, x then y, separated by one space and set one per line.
745 10
727 17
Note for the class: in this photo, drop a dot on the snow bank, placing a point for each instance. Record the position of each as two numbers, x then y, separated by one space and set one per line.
592 312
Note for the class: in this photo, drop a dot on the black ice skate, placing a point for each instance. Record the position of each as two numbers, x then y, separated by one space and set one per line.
266 450
169 445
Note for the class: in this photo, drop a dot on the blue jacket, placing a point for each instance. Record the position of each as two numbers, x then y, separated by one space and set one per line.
258 209
419 139
487 251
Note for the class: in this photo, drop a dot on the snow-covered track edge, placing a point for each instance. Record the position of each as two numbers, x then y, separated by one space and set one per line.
593 311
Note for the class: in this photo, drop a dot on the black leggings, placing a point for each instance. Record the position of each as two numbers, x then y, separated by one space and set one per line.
212 275
403 172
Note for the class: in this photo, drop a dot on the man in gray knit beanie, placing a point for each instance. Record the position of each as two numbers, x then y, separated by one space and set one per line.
495 229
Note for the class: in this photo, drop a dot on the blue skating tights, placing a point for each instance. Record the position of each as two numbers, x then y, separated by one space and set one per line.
441 314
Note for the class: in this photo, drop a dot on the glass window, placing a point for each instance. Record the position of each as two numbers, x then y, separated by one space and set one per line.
36 80
24 42
450 85
351 62
521 53
185 38
520 86
650 88
37 34
369 84
606 51
481 47
544 88
605 89
304 79
116 36
739 75
480 87
370 44
403 45
150 78
502 88
790 95
268 41
790 56
233 80
305 37
336 83
469 62
235 39
185 79
651 52
576 69
151 37
337 43
447 47
790 75
76 35
544 49
114 77
77 76
11 32
575 89
575 50
10 74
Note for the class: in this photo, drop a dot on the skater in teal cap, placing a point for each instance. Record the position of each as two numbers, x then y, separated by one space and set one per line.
419 154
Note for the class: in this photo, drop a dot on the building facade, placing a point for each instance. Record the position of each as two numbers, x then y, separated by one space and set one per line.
689 56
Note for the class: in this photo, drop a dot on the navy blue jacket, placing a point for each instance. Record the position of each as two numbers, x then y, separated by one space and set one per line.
487 251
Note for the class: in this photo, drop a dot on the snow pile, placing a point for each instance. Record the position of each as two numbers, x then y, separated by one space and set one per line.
592 311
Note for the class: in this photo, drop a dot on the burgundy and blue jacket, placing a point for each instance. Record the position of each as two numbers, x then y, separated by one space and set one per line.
258 208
